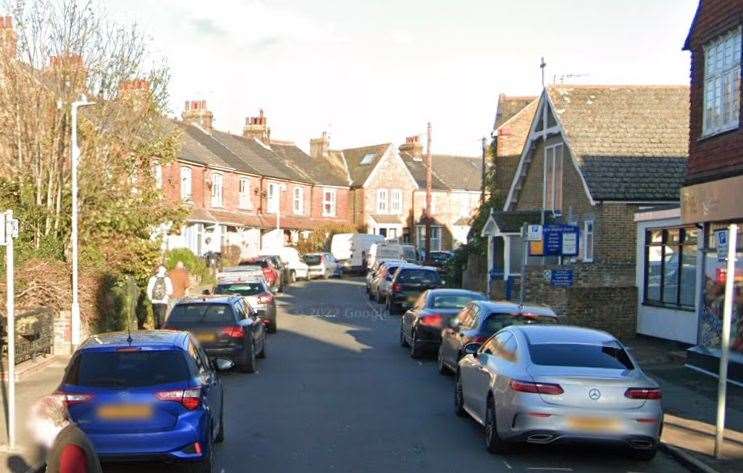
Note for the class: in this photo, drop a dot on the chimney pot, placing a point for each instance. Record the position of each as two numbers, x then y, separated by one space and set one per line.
197 113
257 127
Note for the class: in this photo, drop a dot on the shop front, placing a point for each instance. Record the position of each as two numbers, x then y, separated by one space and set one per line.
713 207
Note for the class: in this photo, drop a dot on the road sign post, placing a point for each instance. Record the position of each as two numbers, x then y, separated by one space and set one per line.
727 317
8 232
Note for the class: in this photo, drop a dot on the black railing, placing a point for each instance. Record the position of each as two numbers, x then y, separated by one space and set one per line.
34 333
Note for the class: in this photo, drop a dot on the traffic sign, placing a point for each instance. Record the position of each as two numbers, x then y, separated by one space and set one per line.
561 278
722 245
534 233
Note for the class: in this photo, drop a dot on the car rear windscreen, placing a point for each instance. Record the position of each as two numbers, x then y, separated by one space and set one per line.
312 260
201 314
242 289
496 321
418 276
124 369
580 355
452 301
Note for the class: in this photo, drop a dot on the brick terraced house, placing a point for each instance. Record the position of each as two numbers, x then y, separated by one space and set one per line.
593 156
713 189
249 191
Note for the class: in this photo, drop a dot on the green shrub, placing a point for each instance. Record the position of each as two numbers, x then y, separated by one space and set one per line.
119 299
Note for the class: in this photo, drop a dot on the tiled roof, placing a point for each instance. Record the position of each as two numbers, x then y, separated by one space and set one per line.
647 121
258 156
417 168
218 149
513 132
198 214
512 221
320 170
354 157
510 106
194 151
449 172
229 217
634 178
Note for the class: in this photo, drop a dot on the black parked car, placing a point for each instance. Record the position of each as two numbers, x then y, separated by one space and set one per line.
226 326
479 320
408 283
440 260
420 327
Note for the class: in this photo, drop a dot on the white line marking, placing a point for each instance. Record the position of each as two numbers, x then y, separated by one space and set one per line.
507 465
548 468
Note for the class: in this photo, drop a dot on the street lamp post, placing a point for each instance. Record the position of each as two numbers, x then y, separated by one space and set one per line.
75 322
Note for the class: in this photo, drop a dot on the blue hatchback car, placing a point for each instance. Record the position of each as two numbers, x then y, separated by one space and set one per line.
146 396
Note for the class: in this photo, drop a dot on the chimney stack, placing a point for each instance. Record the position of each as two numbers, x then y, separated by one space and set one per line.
413 147
8 37
257 127
197 113
319 146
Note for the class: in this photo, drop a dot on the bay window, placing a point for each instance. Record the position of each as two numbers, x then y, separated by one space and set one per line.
722 83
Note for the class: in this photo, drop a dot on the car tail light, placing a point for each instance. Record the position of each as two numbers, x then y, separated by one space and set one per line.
643 393
188 398
235 331
71 399
535 388
265 298
432 320
396 287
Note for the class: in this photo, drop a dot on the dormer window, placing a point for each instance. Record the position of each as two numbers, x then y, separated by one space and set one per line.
722 83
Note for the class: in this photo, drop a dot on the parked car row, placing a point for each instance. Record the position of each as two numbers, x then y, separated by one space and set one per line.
398 284
526 378
155 395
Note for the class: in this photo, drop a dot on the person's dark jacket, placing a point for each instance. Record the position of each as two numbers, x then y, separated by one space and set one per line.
72 452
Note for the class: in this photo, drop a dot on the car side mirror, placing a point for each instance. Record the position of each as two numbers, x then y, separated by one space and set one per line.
472 349
223 364
453 323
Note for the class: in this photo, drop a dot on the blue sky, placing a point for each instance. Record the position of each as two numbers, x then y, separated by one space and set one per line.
376 71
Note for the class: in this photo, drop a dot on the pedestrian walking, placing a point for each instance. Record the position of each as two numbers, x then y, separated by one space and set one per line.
181 279
159 290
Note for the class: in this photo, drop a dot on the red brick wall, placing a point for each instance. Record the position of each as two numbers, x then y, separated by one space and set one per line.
343 204
722 154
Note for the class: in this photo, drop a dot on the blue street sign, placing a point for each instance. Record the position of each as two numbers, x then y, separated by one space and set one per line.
561 240
722 245
561 278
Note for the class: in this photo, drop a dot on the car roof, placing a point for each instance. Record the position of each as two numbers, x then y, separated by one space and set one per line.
139 338
512 307
454 292
539 334
210 299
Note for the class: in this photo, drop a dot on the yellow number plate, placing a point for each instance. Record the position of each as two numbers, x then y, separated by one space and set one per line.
206 337
593 423
125 411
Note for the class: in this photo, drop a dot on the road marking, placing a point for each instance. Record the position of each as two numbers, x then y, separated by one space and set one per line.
507 465
548 468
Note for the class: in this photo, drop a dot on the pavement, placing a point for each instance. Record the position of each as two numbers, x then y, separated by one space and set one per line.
337 393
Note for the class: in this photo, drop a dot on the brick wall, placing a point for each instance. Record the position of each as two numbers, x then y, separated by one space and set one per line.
719 155
615 234
390 173
343 204
603 296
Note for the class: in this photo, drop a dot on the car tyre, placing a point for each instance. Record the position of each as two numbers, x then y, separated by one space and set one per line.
262 354
392 308
271 327
220 434
403 341
644 454
247 363
493 442
443 369
459 398
416 350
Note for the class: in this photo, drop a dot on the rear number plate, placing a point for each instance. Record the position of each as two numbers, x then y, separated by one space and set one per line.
125 412
593 424
205 337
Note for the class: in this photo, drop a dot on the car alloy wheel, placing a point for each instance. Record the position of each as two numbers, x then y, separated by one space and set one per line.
415 347
443 369
458 398
493 442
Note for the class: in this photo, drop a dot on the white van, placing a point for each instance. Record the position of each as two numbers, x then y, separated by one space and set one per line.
290 256
350 249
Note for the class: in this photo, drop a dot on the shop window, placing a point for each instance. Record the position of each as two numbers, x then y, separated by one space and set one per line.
670 267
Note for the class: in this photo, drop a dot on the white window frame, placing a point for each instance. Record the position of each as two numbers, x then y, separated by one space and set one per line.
298 201
396 201
157 175
382 201
437 243
552 193
217 190
721 97
243 193
273 198
329 204
588 243
186 183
